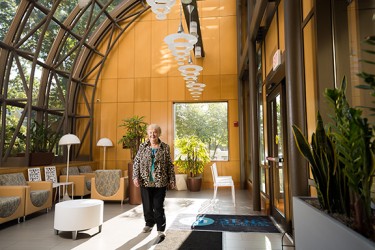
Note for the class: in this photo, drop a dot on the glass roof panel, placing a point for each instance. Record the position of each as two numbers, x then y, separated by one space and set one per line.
37 85
13 117
46 3
64 9
16 88
7 10
86 20
68 52
32 38
48 40
57 92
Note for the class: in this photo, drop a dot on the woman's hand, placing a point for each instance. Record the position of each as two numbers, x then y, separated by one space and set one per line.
172 186
136 182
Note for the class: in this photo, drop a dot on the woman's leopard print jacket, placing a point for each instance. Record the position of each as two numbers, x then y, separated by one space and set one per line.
164 170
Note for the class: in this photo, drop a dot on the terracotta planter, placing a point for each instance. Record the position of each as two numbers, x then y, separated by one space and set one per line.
41 159
194 184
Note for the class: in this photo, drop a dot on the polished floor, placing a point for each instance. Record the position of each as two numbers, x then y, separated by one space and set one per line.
123 224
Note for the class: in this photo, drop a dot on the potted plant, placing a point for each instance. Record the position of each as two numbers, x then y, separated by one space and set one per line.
136 132
342 164
42 140
191 159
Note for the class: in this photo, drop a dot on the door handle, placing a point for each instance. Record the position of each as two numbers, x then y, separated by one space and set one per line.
275 159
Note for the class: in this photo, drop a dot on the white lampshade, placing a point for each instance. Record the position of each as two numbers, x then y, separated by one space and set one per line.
104 142
161 7
186 1
195 85
69 139
180 43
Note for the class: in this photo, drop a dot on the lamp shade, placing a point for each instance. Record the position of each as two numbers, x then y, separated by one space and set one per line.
161 7
104 142
69 139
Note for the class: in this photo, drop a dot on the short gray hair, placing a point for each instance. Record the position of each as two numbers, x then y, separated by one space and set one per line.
154 126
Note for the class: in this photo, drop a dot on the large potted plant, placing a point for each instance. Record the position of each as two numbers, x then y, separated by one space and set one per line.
342 163
136 132
42 140
191 158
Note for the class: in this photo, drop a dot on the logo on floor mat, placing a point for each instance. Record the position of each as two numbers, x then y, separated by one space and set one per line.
203 221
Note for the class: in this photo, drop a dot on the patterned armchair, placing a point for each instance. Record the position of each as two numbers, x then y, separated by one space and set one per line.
108 185
12 203
82 183
38 194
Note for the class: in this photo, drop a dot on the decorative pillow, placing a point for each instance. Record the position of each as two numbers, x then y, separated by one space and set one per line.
72 171
85 169
16 179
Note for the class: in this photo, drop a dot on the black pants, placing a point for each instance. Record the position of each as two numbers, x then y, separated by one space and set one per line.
153 206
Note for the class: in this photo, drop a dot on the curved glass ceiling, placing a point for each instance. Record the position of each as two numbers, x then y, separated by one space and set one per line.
45 49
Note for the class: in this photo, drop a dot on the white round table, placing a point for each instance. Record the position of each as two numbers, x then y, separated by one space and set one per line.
78 215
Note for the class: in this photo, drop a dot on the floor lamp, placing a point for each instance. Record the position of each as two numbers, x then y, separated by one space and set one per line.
104 142
68 140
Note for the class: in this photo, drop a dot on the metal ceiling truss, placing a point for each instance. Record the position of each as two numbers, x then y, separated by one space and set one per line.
54 55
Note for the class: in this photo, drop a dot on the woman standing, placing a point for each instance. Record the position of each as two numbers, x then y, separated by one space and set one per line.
153 171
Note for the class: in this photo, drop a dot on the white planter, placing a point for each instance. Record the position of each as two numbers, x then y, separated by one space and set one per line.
314 229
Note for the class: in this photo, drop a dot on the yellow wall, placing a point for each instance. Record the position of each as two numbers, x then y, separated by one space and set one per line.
141 78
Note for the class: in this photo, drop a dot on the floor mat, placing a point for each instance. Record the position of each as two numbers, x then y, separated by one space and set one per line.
222 222
185 240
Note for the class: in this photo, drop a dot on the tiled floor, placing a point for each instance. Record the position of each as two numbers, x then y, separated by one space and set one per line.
123 225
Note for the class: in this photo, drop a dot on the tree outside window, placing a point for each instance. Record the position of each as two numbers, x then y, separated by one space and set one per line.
208 121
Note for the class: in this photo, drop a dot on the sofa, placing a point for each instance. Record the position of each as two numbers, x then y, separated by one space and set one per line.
38 194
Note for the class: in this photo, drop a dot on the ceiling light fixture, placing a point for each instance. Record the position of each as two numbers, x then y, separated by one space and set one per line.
193 25
161 7
180 43
198 51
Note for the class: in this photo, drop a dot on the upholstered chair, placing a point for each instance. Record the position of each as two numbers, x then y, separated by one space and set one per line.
38 194
82 183
12 203
108 185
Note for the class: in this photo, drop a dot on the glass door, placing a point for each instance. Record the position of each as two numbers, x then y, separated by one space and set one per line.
275 131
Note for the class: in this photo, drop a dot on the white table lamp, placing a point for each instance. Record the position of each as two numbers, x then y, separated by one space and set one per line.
68 140
104 142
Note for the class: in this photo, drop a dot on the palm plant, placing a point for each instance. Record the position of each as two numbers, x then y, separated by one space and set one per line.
136 132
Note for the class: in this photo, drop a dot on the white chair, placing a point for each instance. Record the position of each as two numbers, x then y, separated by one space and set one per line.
222 181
